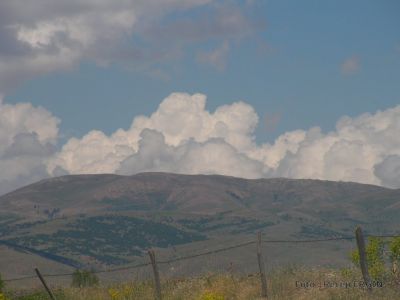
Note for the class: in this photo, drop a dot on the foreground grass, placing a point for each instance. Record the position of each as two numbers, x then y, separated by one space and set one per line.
281 285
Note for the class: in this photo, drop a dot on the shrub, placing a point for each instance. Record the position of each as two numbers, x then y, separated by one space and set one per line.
84 278
375 260
394 248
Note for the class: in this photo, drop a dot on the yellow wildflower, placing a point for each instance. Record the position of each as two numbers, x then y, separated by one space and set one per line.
212 296
114 294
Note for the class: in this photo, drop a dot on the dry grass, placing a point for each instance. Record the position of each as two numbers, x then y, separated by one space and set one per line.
281 285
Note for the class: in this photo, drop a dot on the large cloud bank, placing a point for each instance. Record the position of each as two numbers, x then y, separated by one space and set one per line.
183 137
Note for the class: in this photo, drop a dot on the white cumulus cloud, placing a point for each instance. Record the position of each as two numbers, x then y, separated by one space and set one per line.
388 171
27 139
215 156
179 118
182 136
349 153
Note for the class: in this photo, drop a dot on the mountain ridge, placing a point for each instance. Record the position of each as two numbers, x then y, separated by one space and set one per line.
166 191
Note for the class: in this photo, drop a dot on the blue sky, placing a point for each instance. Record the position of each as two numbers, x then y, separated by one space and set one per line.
290 68
298 64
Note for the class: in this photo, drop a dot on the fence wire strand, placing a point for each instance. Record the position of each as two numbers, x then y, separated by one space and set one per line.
240 245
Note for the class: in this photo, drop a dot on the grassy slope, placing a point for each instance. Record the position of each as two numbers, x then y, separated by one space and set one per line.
16 264
117 239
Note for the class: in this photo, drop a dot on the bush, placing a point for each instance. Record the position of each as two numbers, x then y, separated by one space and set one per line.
375 260
84 278
394 248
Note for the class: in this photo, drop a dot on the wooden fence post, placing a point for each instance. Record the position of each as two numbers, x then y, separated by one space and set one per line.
363 257
44 284
156 275
261 267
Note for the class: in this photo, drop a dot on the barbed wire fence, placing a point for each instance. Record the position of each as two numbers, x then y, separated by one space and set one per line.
154 263
210 252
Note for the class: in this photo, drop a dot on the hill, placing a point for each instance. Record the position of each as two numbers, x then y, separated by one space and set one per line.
107 220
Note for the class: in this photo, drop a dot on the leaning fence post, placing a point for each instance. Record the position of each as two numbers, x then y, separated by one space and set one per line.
156 274
261 267
363 257
44 284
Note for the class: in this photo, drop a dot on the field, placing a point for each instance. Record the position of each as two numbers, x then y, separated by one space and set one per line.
287 283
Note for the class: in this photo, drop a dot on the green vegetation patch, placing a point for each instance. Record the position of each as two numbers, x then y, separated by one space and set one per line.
318 231
232 225
109 238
